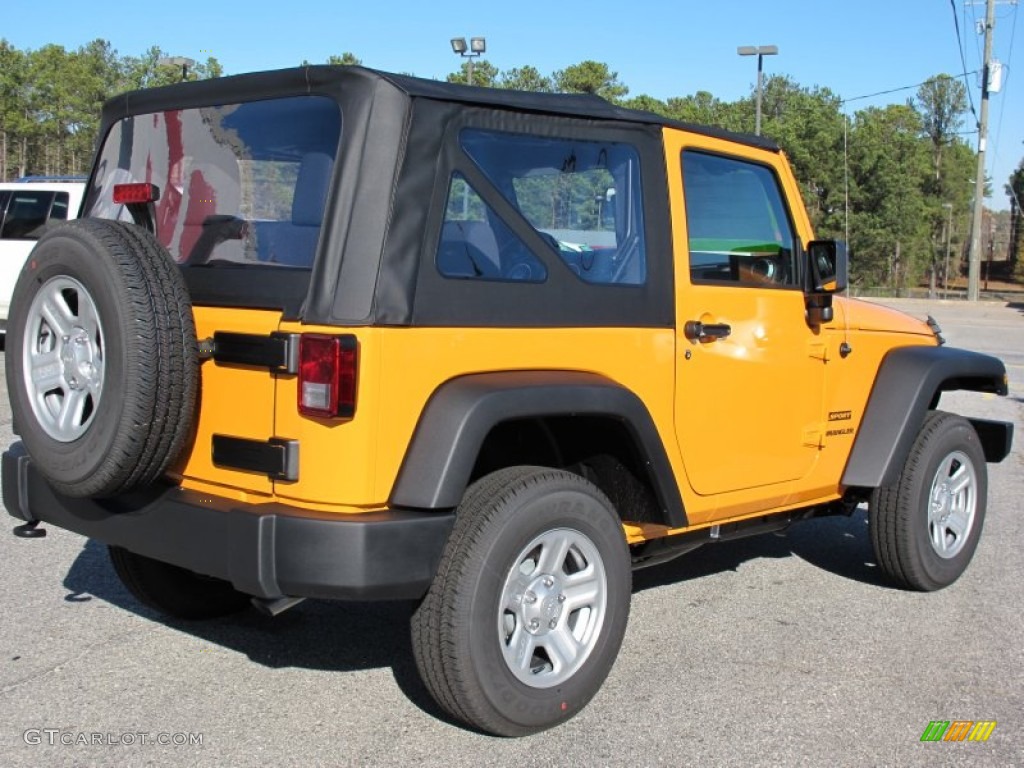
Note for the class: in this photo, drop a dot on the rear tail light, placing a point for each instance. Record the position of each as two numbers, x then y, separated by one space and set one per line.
327 376
134 194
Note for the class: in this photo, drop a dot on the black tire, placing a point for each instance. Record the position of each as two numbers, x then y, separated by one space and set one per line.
461 632
175 591
923 543
139 419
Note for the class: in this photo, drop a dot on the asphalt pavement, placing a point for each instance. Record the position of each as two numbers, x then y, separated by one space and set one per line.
785 649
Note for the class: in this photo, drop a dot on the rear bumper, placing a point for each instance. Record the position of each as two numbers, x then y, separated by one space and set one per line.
265 550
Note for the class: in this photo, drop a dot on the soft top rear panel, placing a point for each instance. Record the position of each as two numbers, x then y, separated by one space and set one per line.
312 193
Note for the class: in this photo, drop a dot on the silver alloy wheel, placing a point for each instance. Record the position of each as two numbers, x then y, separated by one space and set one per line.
952 504
63 358
553 606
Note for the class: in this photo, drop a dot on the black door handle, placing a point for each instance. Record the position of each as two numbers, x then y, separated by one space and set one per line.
695 330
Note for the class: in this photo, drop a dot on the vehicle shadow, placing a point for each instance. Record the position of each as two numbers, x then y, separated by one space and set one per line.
346 637
317 635
839 545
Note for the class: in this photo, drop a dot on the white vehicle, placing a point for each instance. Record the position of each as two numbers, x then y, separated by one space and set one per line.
26 207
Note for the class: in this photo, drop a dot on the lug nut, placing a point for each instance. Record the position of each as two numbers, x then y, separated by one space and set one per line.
553 623
561 597
534 624
530 598
548 582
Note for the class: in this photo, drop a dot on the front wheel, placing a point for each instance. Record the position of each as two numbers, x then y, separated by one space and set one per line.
527 611
925 526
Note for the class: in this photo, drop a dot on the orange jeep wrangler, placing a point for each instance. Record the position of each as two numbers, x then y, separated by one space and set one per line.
335 333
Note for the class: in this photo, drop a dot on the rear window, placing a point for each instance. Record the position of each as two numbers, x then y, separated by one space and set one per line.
240 184
23 214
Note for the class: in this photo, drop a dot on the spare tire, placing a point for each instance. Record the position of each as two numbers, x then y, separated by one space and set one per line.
102 359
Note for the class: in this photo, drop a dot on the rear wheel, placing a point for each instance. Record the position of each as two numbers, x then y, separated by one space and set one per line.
175 591
529 605
926 525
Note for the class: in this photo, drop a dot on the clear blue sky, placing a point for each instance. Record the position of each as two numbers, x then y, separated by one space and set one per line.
657 47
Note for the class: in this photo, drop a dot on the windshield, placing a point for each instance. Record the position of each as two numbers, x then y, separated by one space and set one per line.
239 184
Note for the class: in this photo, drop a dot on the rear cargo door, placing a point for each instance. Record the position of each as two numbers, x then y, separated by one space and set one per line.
238 197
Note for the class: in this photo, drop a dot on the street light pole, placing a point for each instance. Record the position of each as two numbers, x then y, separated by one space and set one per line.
760 51
476 47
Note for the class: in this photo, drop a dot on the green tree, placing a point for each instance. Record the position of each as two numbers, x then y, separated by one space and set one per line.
484 74
1015 189
590 77
703 108
646 103
808 125
941 101
48 95
525 78
889 166
14 118
145 71
347 59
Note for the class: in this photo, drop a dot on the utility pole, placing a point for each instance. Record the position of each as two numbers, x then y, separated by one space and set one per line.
974 260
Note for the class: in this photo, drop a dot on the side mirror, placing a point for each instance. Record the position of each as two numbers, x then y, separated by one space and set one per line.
827 267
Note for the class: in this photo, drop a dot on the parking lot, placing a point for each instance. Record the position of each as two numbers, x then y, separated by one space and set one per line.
783 649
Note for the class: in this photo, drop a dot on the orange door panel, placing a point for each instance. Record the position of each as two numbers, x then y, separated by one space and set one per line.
749 394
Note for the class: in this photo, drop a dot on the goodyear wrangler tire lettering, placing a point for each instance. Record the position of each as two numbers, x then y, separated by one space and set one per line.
102 365
529 606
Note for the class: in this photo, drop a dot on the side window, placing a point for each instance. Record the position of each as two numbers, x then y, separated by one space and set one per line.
739 230
477 244
582 197
26 214
60 207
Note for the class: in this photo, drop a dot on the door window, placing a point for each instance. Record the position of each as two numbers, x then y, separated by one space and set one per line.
738 227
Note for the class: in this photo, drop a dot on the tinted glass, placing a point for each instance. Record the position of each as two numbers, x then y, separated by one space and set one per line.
738 227
477 244
582 196
27 212
239 184
59 210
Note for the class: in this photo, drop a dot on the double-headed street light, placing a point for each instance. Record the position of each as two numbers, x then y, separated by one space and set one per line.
760 51
477 46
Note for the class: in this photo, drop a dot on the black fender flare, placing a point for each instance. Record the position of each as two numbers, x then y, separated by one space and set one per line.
907 385
462 411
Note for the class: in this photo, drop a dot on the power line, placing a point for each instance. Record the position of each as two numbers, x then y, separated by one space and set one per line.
905 88
963 59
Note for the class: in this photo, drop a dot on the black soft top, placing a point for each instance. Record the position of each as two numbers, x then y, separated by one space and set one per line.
327 78
398 149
